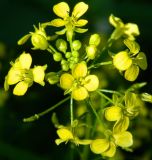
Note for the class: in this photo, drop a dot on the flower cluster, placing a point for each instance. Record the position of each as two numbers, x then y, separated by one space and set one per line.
103 127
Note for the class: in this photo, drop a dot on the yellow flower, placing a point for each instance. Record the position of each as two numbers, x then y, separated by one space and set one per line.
79 83
129 30
71 23
66 135
21 74
130 60
39 38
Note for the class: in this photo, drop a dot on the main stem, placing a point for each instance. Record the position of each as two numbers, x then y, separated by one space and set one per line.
38 115
71 111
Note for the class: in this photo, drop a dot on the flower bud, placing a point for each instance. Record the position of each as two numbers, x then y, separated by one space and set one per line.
91 51
61 45
76 45
75 54
94 40
39 41
122 61
57 56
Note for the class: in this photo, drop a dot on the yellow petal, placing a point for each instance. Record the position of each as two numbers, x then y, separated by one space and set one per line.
115 21
111 150
39 74
141 60
79 9
66 81
57 22
64 134
132 73
20 89
132 45
14 76
81 22
61 9
113 113
99 146
25 60
80 70
91 82
121 125
131 29
124 139
122 61
79 93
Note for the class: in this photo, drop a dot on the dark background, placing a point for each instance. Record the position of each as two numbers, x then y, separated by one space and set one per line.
35 141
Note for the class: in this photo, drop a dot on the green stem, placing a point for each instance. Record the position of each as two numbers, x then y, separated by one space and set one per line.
110 91
104 96
38 115
71 111
100 64
51 49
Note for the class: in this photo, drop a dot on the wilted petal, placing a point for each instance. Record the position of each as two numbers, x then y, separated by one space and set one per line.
21 88
115 21
61 9
131 29
79 9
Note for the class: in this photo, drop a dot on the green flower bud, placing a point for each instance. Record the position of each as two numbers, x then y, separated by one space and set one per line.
94 40
91 51
65 67
39 41
57 56
76 45
75 54
61 45
68 54
63 61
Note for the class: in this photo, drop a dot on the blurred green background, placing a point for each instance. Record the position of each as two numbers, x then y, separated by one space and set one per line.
35 141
